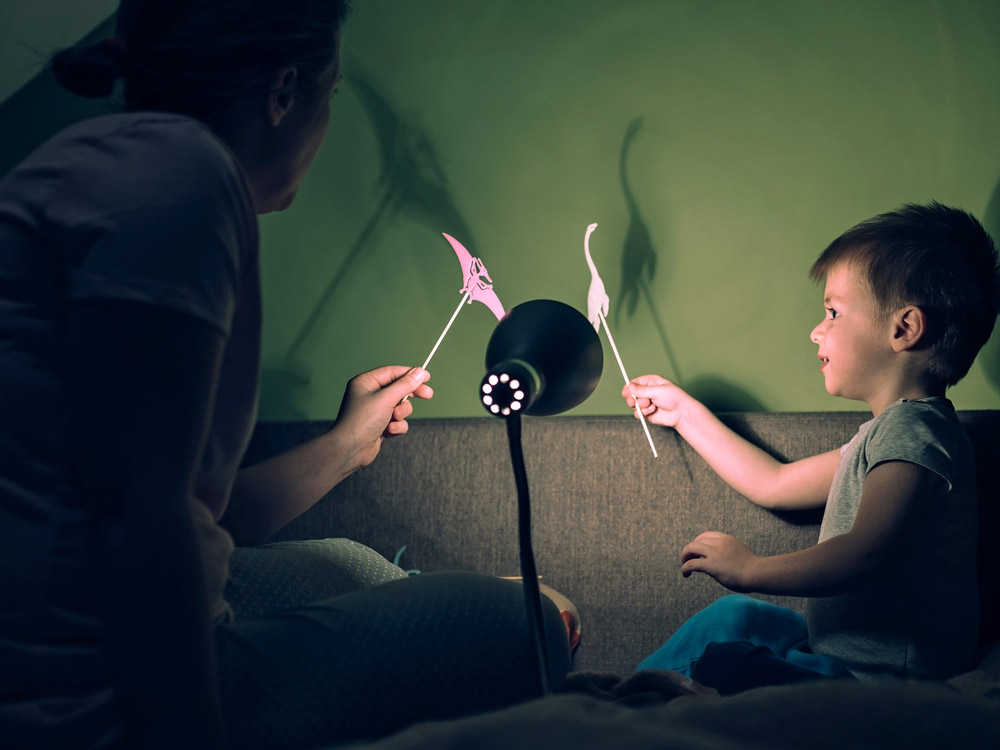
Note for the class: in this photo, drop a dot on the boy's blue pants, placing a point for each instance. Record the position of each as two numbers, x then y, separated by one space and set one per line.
738 642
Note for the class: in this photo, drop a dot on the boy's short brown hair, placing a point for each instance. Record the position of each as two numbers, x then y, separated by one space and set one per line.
938 258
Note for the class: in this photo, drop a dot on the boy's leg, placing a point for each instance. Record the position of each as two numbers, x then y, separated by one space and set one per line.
366 664
734 617
739 642
735 666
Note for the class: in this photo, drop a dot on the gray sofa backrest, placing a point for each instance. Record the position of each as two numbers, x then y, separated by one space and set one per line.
609 519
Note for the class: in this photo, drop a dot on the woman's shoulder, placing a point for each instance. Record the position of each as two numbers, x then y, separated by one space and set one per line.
141 126
159 142
158 163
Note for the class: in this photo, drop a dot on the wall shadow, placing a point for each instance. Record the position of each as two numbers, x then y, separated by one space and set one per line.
989 356
41 108
412 182
721 395
640 260
639 257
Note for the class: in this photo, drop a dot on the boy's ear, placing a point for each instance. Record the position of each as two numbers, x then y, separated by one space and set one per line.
279 101
909 325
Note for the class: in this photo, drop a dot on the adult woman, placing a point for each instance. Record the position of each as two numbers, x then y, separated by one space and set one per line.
129 330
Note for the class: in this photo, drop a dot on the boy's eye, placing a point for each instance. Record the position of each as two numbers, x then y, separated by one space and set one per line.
832 314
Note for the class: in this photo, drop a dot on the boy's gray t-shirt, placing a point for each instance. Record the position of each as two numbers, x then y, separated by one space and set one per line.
917 615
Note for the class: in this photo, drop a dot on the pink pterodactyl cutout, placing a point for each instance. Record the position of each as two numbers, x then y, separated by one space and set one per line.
473 272
597 310
476 286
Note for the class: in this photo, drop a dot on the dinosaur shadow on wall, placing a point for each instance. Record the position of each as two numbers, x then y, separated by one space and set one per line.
411 183
639 264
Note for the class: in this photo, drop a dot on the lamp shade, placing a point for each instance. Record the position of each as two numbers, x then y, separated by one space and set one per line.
543 358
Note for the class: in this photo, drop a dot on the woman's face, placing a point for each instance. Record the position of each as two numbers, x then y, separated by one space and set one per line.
296 142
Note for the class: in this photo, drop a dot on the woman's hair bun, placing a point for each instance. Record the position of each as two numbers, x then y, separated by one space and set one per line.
88 71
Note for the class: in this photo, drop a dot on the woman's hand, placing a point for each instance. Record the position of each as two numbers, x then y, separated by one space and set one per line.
659 400
725 558
376 405
269 494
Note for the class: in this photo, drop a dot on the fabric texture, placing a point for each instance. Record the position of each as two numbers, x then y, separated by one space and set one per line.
365 664
827 714
148 208
916 616
281 575
738 643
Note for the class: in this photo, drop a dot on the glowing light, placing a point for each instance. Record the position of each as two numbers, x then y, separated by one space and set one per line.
495 409
506 412
519 395
504 378
494 380
515 383
487 400
516 405
487 388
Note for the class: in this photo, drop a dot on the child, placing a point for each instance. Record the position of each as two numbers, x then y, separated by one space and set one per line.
911 296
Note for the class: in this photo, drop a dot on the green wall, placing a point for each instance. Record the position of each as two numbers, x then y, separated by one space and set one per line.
725 141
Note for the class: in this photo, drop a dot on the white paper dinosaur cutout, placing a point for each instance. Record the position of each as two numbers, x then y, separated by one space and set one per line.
597 310
597 297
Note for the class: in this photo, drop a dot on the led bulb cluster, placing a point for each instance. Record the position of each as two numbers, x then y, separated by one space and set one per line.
502 394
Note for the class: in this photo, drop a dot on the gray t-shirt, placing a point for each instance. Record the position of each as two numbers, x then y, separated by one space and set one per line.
917 616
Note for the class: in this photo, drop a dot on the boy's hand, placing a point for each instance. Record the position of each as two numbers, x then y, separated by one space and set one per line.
725 558
659 400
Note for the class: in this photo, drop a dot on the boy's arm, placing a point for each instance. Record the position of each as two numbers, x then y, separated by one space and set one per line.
892 492
743 466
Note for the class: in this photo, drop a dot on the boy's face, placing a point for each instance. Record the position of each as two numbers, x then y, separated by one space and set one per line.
853 343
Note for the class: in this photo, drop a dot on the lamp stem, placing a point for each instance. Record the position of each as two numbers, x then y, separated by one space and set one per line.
529 575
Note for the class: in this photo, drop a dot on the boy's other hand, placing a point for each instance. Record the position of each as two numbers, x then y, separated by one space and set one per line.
660 401
725 558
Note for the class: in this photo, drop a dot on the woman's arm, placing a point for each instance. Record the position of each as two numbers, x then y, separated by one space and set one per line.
269 494
743 466
141 384
891 493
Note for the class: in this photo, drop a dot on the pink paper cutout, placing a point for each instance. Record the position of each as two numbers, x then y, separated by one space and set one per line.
473 275
597 297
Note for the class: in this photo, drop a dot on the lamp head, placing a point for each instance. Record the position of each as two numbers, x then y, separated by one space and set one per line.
543 358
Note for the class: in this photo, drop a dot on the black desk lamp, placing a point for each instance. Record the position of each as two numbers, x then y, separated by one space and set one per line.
543 358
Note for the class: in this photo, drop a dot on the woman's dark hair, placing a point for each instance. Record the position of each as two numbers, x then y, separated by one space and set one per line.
190 56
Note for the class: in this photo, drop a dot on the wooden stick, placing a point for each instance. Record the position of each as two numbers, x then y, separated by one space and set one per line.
642 418
441 337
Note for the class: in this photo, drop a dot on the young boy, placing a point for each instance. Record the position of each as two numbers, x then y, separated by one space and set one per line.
911 296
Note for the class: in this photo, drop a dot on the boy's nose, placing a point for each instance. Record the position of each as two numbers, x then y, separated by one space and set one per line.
817 334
